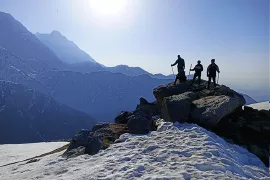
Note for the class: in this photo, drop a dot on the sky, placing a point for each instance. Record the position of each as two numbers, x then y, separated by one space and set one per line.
151 33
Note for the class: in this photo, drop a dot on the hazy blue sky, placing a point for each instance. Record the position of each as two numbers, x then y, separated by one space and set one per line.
150 33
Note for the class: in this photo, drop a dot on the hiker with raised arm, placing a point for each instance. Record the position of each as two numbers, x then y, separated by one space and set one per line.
180 67
212 72
180 64
198 72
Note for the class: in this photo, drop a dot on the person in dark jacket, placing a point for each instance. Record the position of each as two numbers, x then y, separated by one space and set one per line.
180 67
198 72
180 64
212 72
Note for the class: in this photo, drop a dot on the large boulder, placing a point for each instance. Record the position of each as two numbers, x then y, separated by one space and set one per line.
140 122
143 101
85 139
170 89
153 108
110 133
90 142
177 107
74 152
263 154
210 110
122 118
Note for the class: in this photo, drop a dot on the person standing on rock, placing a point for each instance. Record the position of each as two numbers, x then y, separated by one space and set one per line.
180 67
180 64
198 72
212 72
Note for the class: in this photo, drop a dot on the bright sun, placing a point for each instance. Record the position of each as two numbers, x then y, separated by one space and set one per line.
107 7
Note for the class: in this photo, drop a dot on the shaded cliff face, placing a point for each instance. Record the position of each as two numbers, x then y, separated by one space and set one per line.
27 116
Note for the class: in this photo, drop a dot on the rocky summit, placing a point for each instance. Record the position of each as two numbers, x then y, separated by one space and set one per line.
218 109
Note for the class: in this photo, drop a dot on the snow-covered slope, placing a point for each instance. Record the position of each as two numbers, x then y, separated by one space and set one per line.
27 115
261 105
180 151
10 153
65 49
17 70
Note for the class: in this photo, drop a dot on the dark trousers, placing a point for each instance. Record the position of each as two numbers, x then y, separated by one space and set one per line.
197 75
180 69
209 80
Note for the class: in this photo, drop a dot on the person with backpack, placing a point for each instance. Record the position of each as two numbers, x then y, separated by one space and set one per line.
180 67
212 72
198 72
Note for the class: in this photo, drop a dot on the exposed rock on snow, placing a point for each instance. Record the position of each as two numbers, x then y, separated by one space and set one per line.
249 128
91 142
86 139
140 122
218 109
122 118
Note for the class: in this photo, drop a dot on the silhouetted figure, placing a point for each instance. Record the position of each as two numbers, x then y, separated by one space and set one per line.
180 67
212 72
180 64
198 72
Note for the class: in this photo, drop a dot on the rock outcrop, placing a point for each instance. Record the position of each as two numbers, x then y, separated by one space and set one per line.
210 110
122 118
184 102
218 110
249 128
91 142
177 107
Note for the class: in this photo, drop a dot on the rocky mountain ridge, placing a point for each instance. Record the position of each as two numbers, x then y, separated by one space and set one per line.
218 109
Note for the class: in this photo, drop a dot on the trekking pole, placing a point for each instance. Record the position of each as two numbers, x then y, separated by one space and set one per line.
189 71
172 70
218 78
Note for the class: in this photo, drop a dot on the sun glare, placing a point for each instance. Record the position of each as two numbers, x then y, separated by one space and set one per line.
107 7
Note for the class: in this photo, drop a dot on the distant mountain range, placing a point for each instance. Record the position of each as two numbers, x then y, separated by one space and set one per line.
15 38
65 49
248 99
79 61
102 94
27 115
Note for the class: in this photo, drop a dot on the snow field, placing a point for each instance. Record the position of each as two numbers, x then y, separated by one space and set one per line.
174 151
260 106
10 153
